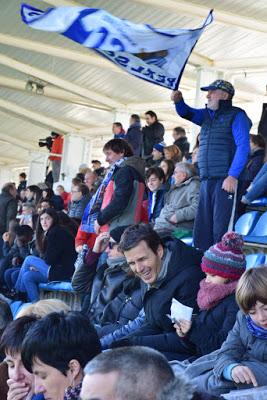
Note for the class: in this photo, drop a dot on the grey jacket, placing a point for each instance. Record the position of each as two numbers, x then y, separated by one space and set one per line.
240 347
181 200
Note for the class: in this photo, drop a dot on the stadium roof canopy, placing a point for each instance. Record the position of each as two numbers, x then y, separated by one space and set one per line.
83 92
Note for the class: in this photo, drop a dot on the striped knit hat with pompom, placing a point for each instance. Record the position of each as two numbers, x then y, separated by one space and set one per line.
226 258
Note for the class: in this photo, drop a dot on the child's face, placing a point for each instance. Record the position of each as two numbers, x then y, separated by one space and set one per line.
153 183
215 279
259 314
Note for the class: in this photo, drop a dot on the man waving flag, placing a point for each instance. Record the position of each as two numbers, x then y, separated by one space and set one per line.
156 55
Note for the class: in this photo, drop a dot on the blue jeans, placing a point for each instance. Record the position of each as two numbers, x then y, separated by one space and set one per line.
11 276
259 185
28 279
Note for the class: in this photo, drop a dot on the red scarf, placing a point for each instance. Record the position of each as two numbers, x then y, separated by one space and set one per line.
210 294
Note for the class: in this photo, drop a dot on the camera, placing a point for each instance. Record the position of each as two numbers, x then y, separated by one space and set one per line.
47 142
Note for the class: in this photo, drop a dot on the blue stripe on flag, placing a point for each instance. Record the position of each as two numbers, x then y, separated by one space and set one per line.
158 56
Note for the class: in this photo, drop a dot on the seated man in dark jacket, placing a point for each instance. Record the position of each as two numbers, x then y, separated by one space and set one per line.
15 255
169 268
223 265
112 295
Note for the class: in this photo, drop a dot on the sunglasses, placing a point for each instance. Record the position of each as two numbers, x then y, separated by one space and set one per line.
111 245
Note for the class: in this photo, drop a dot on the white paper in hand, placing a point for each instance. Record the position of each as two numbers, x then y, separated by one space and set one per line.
180 311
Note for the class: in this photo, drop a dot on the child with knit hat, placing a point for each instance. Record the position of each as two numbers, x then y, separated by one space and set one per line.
223 265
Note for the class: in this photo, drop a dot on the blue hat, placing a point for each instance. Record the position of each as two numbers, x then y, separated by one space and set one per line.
220 84
159 147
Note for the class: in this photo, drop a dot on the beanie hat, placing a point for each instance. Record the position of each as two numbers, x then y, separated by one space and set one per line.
159 147
226 258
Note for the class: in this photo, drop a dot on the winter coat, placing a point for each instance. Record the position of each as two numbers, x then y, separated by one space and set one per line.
181 282
124 330
209 330
57 201
183 145
57 148
152 134
240 347
14 251
122 202
76 208
181 200
159 202
134 138
8 211
252 168
115 297
59 254
22 186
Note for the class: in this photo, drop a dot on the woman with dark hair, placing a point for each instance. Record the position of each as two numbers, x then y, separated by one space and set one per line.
56 200
168 168
33 194
56 256
56 352
70 224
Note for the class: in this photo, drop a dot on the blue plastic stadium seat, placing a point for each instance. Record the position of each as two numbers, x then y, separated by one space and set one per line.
259 233
62 291
188 241
16 306
56 286
246 223
253 260
261 202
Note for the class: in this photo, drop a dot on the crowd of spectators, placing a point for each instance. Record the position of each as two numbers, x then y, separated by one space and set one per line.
117 238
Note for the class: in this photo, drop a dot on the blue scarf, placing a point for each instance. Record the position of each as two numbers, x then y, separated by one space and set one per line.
256 330
93 208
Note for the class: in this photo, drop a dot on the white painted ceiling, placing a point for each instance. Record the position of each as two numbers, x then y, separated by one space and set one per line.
83 91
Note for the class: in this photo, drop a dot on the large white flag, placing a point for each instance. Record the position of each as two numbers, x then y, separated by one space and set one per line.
156 55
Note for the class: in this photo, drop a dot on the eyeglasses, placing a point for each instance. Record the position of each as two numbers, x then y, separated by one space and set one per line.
111 245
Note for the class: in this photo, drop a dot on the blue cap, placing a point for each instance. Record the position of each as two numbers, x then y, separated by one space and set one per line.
159 147
220 84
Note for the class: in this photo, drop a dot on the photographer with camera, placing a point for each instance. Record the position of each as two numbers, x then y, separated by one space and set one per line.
54 143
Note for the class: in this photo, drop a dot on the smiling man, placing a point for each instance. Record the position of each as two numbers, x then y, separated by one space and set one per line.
223 154
168 267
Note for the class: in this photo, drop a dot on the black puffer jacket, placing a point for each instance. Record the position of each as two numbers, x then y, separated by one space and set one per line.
152 134
8 210
181 282
125 306
59 254
115 296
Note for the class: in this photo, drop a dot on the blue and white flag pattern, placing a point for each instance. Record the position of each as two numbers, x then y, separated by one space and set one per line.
156 55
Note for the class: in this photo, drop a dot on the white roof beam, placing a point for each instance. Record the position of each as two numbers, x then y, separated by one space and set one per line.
11 159
246 64
50 92
89 57
97 131
57 81
17 142
39 119
222 17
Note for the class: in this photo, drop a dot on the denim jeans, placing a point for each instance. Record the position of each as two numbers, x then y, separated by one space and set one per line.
259 185
11 276
29 279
